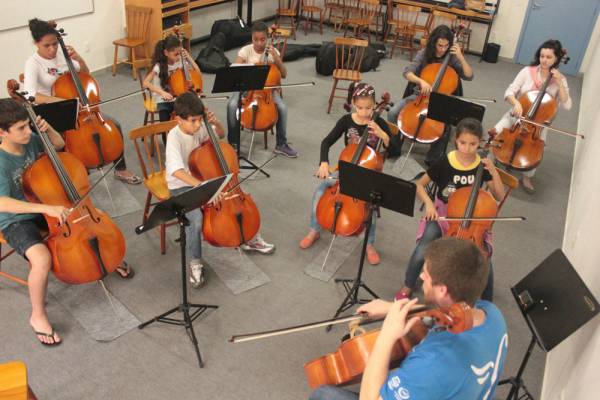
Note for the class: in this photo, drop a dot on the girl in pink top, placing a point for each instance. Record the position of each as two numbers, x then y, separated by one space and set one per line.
546 61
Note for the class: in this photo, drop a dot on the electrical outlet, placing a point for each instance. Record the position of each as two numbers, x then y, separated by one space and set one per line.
86 47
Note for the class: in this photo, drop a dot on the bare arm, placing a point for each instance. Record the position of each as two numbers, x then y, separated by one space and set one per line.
14 206
156 89
185 177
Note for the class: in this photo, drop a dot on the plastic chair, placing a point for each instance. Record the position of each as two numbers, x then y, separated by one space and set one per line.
348 58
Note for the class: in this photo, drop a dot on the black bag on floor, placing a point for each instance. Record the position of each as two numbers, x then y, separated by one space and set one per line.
212 56
235 35
325 62
296 51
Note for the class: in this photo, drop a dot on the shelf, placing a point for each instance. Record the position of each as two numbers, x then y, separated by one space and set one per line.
179 10
203 3
173 3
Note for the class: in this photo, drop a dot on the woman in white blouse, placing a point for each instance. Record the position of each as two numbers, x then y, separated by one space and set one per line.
46 65
546 61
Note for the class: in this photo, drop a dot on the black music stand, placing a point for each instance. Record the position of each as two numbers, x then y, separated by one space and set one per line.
555 302
241 78
451 109
379 190
176 208
61 115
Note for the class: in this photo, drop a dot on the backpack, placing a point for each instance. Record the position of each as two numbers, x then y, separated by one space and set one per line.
235 35
212 57
325 62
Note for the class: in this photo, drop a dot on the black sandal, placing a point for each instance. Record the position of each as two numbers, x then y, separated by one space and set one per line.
128 271
47 335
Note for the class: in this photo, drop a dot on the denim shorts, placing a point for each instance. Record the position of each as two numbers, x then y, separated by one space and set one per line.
21 235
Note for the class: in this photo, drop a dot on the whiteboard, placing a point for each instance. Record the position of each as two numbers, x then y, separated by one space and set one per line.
17 13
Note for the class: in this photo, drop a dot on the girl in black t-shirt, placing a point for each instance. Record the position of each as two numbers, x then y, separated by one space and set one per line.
450 173
350 127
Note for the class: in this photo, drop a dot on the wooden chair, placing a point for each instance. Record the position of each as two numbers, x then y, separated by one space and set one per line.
150 111
138 23
336 12
146 144
280 38
307 10
5 256
361 19
464 37
13 382
287 11
441 18
349 53
403 22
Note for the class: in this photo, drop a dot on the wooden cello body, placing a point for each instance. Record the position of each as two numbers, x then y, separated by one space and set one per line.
184 79
347 364
235 219
259 111
520 147
344 215
412 120
88 245
96 141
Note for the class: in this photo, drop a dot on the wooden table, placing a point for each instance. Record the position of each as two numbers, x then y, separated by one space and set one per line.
473 16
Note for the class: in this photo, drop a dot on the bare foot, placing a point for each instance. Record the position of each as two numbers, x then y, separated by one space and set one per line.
128 177
527 185
44 330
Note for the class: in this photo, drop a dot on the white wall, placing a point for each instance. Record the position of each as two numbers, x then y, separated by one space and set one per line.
572 367
90 34
507 26
594 40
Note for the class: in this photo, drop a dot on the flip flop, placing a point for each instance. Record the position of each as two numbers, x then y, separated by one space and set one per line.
131 180
526 189
48 335
127 268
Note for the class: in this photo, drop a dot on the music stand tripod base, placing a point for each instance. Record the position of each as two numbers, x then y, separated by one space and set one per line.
379 190
177 207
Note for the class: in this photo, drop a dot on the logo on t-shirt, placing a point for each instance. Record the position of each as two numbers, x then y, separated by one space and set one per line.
490 369
463 179
400 393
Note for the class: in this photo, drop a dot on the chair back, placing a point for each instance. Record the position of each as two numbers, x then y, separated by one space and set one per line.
406 14
149 104
146 142
286 5
368 9
308 3
441 18
138 21
349 53
280 37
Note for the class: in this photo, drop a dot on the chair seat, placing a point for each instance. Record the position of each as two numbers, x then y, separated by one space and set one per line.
286 12
346 74
356 21
129 42
312 9
150 105
157 184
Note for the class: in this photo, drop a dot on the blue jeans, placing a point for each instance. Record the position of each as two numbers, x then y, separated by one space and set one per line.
415 264
436 149
314 225
328 392
233 122
193 232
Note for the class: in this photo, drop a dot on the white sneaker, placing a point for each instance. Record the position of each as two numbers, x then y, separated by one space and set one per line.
196 274
258 244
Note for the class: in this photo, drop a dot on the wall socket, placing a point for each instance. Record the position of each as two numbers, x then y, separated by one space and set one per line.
86 47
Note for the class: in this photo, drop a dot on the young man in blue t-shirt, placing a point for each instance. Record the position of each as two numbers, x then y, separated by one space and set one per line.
444 365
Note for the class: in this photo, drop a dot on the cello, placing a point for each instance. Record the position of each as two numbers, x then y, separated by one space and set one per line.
184 79
347 364
412 120
88 245
234 219
520 147
96 141
471 211
259 111
345 215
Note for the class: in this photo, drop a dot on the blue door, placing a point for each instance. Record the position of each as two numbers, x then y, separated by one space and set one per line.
570 21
